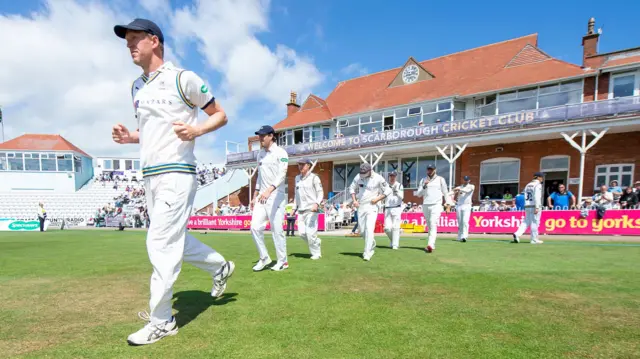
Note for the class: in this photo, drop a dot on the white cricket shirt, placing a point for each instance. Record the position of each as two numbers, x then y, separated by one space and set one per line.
394 200
465 195
272 168
533 194
308 191
170 94
434 192
367 189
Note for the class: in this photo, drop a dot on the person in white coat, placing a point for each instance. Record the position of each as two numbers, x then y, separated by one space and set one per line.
367 189
309 195
433 189
269 200
393 210
532 209
464 195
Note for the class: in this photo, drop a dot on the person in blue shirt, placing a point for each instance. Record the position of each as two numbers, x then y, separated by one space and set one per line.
562 199
520 202
615 189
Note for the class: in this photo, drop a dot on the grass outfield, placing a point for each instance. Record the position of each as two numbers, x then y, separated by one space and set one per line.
75 294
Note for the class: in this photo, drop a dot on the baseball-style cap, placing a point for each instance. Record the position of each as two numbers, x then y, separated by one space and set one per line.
394 173
365 168
431 167
265 130
467 178
538 174
305 160
145 25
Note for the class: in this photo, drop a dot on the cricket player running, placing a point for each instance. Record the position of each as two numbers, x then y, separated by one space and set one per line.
367 189
433 189
309 194
166 101
532 209
393 210
463 207
269 199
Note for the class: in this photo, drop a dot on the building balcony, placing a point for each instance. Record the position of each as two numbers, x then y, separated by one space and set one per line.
574 115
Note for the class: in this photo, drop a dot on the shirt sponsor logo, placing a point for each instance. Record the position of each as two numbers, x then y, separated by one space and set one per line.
155 102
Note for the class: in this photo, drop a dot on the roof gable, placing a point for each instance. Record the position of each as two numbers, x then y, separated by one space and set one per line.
312 101
412 72
36 142
528 55
313 110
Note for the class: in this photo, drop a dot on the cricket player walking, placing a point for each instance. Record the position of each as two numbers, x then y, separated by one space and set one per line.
166 101
433 189
309 195
269 199
393 210
367 189
532 209
463 207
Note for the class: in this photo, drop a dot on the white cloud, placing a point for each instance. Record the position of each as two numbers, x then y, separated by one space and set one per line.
225 32
156 7
354 69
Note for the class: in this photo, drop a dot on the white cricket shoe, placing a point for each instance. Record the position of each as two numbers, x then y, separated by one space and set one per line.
394 247
151 333
316 257
536 241
367 256
280 266
262 264
220 279
515 239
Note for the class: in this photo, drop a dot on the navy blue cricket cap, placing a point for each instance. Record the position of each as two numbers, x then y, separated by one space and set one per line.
265 130
394 173
431 167
538 174
467 178
145 25
305 160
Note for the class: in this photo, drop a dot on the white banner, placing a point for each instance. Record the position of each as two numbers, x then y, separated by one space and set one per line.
17 225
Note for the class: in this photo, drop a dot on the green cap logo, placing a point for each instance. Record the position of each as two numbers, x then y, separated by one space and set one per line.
204 89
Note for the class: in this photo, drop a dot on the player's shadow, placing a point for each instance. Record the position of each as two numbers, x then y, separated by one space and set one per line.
351 254
190 304
301 255
416 248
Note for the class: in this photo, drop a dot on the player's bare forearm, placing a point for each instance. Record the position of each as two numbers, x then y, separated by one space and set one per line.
217 118
134 137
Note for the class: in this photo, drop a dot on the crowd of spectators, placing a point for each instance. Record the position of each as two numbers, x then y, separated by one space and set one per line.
208 173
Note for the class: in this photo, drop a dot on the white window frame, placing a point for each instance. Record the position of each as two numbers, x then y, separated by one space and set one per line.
608 174
636 82
555 169
499 160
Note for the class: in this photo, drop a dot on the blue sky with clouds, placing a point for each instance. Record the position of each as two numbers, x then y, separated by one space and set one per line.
65 71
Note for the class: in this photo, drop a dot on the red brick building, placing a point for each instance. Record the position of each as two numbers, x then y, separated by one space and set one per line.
500 112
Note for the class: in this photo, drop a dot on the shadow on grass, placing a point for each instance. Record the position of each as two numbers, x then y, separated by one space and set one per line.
351 254
416 248
301 255
191 303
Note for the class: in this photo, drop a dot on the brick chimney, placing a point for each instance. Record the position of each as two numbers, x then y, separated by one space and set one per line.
590 41
292 106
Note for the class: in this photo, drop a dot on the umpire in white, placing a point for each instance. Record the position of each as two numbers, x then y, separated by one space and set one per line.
464 194
309 194
393 210
433 189
269 199
367 189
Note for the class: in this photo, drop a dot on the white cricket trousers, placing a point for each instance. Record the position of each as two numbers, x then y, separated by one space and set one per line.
308 228
392 225
367 216
463 212
432 214
531 220
169 201
272 212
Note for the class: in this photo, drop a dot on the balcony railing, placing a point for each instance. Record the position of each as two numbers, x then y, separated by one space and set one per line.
516 120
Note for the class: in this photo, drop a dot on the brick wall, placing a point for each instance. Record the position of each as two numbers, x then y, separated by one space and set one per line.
324 170
603 87
611 149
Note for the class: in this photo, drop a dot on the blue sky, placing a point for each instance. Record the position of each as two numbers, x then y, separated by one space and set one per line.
307 46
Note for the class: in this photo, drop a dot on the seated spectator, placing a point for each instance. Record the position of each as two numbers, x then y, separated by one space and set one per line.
636 190
587 203
604 199
494 207
615 189
507 195
629 199
561 199
503 206
485 205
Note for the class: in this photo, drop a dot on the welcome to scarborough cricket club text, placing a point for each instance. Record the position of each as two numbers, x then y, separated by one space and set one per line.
522 118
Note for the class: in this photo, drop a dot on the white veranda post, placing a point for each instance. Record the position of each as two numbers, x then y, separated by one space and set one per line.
451 158
251 171
369 158
583 148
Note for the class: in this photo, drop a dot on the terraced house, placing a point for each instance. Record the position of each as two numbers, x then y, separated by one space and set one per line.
497 113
